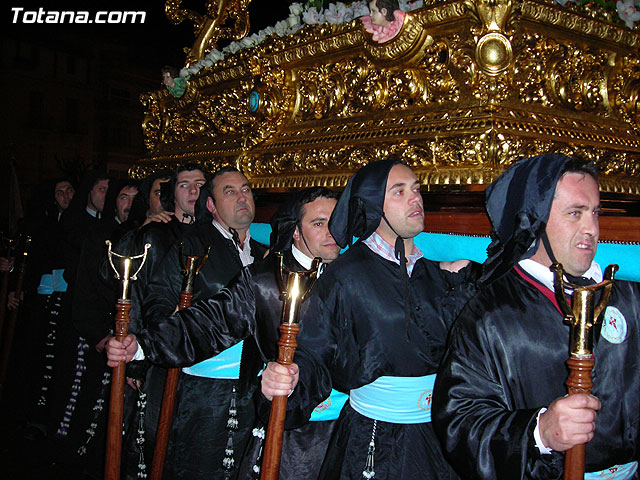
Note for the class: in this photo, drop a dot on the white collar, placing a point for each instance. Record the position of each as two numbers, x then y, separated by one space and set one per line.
245 252
92 212
545 276
303 259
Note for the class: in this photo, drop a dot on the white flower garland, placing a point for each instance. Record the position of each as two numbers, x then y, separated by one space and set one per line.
299 16
339 13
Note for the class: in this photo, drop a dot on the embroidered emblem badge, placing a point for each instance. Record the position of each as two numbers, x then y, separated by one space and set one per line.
424 403
614 325
321 407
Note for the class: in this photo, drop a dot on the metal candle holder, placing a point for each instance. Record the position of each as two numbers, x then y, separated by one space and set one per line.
581 315
294 287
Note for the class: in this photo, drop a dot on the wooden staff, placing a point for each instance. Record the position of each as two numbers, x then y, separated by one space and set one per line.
4 287
13 315
190 271
116 399
581 315
293 296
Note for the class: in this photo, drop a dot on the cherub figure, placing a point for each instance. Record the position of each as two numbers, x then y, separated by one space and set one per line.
174 83
627 12
384 21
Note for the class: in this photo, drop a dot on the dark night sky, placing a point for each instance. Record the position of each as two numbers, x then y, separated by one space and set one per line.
159 42
154 44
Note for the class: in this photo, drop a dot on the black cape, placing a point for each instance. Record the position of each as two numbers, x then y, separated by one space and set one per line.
199 436
250 306
356 331
507 360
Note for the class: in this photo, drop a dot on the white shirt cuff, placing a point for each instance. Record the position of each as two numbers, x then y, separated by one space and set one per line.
139 353
536 435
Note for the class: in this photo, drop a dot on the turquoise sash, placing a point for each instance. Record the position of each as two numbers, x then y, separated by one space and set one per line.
52 282
225 365
617 472
46 284
330 408
395 399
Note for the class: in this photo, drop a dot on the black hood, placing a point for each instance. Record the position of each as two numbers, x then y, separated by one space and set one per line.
518 205
283 224
360 208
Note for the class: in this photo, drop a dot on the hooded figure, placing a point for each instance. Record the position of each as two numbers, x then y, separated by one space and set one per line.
500 404
518 205
140 206
376 329
283 224
360 208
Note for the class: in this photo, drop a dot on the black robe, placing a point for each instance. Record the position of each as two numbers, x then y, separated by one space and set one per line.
356 330
250 305
199 435
507 360
161 236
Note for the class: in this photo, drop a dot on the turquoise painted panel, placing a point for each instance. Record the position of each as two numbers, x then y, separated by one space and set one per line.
447 247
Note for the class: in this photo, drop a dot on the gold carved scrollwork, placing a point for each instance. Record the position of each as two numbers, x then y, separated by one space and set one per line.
467 88
273 98
624 88
493 28
357 86
577 79
225 19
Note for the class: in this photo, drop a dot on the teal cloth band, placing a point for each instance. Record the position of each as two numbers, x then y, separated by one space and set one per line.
225 365
46 284
59 284
330 408
395 399
443 247
617 472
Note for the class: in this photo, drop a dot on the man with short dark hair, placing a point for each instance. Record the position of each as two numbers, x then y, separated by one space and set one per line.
63 193
162 216
96 197
208 390
375 326
300 232
500 403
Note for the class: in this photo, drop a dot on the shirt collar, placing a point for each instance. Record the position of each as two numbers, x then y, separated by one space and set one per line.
245 251
92 212
304 260
545 276
301 258
383 248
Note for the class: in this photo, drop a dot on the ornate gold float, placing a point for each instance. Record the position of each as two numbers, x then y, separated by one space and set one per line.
463 91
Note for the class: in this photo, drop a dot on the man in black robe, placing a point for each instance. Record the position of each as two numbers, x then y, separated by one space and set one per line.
208 393
93 319
300 232
375 326
43 289
163 213
500 404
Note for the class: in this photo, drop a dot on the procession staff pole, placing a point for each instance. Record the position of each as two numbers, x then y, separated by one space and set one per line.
116 400
4 288
190 271
581 315
298 285
13 315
